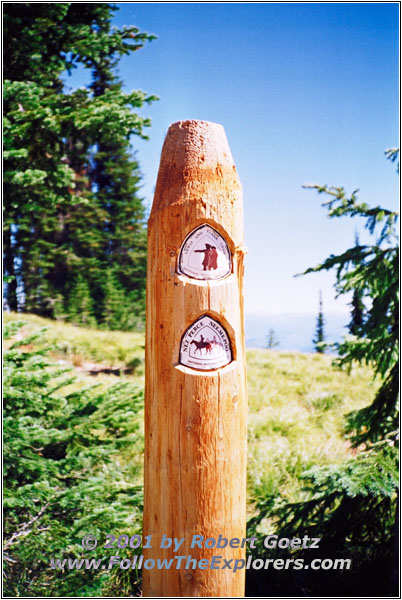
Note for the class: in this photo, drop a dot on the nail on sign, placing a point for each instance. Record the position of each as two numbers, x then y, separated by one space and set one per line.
205 255
205 345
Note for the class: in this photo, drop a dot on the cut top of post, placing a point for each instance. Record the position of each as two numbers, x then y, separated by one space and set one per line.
195 154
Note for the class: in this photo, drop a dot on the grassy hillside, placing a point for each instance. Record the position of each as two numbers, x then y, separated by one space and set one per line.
87 350
296 401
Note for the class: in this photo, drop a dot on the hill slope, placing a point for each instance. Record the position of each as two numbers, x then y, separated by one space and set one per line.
296 401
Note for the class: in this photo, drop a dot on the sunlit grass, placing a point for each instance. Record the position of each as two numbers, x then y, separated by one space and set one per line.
79 347
297 402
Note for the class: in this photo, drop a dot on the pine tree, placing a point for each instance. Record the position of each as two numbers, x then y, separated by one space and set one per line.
115 175
68 471
113 313
80 309
357 305
319 337
272 340
57 223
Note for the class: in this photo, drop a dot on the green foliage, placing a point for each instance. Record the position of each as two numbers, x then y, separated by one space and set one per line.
352 506
71 468
357 305
70 185
356 321
117 313
80 306
319 337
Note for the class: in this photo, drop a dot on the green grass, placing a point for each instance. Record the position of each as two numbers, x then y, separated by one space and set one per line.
81 348
297 402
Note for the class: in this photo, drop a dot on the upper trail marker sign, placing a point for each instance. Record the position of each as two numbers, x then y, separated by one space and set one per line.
195 379
205 255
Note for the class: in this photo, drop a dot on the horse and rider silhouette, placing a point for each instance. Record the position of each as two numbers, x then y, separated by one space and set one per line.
207 345
210 261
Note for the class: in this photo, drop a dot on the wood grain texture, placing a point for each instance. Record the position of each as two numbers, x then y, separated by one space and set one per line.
195 421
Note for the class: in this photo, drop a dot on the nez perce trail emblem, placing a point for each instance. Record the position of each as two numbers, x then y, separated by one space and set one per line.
205 255
205 345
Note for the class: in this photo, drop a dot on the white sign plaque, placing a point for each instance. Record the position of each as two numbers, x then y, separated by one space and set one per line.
205 255
205 345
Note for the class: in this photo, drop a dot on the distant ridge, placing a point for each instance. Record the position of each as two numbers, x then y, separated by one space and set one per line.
294 331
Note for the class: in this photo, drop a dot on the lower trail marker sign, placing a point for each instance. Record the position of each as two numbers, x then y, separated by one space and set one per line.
195 390
205 345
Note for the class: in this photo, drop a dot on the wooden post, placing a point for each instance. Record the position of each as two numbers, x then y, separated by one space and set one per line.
195 396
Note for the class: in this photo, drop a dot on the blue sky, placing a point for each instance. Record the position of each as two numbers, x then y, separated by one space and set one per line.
306 92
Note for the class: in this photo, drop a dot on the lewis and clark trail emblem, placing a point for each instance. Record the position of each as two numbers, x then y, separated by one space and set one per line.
205 345
205 255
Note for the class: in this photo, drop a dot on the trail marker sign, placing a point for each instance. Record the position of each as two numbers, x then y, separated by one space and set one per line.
205 345
205 255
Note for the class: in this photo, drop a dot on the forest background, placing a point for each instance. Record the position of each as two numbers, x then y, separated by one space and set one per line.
75 252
